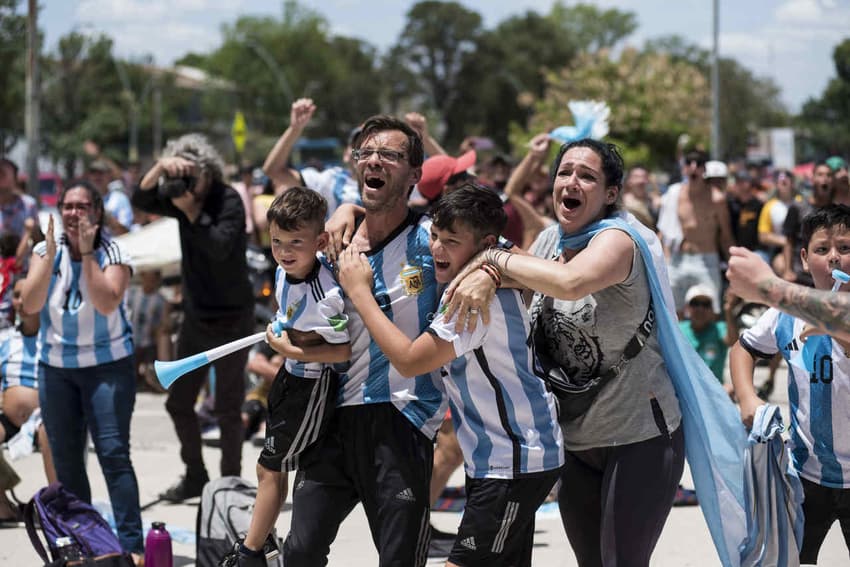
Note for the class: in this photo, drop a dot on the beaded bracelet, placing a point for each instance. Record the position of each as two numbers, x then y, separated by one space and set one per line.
493 272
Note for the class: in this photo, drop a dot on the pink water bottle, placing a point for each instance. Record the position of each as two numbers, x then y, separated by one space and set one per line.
158 546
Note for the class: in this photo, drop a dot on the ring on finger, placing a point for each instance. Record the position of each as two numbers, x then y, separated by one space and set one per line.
473 311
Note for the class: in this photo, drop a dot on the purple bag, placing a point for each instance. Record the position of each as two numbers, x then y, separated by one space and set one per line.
62 515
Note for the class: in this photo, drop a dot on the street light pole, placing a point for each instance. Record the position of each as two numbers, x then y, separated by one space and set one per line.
33 100
715 85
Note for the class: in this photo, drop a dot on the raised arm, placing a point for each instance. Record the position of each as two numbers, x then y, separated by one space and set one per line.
276 164
419 123
538 149
37 283
411 358
751 278
106 286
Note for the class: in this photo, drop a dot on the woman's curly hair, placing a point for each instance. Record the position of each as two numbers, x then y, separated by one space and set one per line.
196 148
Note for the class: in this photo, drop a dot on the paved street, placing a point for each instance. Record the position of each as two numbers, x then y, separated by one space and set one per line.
685 541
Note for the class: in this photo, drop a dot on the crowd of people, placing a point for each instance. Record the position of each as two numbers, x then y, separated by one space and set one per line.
420 297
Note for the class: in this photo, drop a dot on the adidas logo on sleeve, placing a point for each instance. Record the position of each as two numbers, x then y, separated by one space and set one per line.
468 543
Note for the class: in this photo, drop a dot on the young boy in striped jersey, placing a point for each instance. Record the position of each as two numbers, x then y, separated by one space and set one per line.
506 421
819 398
314 337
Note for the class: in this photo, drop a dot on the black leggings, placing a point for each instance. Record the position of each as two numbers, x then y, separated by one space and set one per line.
614 501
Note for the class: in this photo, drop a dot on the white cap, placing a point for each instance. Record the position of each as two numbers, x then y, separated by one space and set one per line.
715 169
703 290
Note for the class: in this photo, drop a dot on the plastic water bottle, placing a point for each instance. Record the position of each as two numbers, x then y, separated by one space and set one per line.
158 546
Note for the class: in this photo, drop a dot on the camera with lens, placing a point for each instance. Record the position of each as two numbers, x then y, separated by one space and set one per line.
171 187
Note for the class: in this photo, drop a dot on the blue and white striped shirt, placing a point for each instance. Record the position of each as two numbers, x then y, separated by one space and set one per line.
405 288
312 304
73 333
335 184
819 400
506 421
18 359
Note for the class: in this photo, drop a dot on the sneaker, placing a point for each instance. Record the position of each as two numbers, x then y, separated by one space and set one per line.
685 497
237 558
184 489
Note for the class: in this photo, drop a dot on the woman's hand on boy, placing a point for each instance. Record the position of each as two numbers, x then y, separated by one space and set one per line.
354 271
340 228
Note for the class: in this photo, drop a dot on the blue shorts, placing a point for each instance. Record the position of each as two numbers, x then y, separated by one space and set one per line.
18 360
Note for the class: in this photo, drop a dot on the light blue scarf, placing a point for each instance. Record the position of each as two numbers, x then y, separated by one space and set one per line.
715 438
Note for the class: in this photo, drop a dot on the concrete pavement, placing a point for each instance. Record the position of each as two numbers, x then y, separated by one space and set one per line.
685 541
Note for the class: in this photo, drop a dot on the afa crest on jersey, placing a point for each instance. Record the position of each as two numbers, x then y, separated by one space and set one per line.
411 279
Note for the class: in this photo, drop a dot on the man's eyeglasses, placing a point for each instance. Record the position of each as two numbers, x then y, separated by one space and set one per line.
387 156
704 303
71 207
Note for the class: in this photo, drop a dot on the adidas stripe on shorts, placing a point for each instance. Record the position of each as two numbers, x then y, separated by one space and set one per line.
299 412
498 522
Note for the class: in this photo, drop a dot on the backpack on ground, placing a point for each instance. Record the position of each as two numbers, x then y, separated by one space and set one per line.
75 532
224 517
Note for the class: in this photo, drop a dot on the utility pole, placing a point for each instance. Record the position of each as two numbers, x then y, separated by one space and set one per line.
33 100
715 85
157 118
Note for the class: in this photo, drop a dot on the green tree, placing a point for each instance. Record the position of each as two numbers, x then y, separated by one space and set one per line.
271 61
823 121
434 45
591 29
747 102
81 98
13 46
652 97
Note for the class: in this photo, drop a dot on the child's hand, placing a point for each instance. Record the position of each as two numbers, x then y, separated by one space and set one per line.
280 344
355 272
748 407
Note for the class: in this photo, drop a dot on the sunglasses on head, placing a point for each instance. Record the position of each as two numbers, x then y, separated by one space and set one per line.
704 303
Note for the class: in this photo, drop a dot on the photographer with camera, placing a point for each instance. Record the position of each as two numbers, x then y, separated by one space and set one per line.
187 184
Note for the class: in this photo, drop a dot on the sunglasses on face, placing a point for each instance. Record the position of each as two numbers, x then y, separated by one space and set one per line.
704 303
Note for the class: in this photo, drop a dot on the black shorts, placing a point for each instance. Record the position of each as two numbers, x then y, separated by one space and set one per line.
298 414
497 527
822 505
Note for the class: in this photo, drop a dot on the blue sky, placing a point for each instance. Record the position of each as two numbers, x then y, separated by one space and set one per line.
790 41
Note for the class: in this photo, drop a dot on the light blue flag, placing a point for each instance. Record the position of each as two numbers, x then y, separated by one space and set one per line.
715 438
773 495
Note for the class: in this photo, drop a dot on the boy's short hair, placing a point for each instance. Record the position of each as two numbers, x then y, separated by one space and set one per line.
478 207
830 216
297 207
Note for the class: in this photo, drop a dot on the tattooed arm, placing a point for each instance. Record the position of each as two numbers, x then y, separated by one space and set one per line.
752 279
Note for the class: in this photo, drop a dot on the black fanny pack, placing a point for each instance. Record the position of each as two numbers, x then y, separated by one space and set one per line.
575 397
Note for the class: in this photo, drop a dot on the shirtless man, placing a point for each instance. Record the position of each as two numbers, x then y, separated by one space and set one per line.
695 228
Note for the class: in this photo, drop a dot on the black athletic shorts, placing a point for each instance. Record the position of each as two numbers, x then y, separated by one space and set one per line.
298 414
497 527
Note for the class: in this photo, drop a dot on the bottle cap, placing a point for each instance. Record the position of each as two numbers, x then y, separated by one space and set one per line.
158 525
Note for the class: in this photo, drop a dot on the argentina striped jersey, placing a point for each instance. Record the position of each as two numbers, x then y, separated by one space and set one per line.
405 288
312 304
819 400
73 333
18 359
506 421
335 184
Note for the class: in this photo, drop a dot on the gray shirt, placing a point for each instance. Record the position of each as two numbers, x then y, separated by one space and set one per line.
587 336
